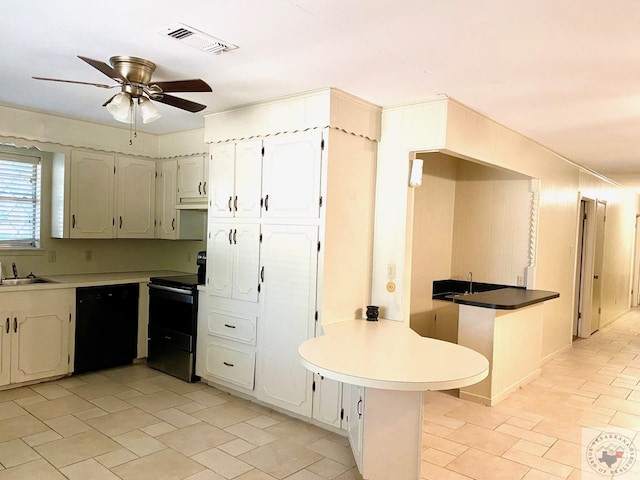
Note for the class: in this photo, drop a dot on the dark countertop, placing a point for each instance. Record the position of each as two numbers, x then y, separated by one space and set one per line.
505 298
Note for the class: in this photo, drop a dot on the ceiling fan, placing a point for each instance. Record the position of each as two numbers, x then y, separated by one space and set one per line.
133 75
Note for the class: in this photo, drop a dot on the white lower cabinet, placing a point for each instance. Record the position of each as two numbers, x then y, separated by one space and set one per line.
327 401
36 335
289 259
226 351
355 421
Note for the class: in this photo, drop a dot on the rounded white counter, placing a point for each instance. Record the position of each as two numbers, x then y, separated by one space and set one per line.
388 367
388 355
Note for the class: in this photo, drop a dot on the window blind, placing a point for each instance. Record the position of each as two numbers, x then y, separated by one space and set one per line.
19 201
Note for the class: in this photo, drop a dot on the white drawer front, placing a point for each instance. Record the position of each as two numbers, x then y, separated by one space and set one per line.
231 365
234 326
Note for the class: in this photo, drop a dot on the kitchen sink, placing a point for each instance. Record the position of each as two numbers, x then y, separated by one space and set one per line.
23 281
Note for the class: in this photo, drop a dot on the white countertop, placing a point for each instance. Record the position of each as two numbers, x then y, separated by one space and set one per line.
91 279
389 355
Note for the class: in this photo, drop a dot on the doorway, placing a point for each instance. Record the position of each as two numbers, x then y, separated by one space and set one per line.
589 262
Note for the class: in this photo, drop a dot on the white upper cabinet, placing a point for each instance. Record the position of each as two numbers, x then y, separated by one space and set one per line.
136 193
233 256
91 195
96 195
291 179
235 180
166 189
192 179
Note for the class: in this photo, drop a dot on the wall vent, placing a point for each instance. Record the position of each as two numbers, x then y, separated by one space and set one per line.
197 39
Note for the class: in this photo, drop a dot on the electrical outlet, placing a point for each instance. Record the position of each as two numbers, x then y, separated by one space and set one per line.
520 281
51 255
391 271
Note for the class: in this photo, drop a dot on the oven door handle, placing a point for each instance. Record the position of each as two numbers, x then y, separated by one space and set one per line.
182 291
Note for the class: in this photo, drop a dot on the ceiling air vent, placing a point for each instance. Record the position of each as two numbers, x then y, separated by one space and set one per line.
197 39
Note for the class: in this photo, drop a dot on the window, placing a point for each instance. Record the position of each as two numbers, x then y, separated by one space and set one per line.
19 201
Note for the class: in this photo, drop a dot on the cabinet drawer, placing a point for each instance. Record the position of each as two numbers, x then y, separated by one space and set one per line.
231 365
234 326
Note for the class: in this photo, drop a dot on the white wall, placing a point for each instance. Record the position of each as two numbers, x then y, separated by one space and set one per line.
453 128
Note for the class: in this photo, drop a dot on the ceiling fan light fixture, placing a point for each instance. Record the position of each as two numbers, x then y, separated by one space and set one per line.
148 110
121 108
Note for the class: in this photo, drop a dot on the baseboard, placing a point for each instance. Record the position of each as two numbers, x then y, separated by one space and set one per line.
553 355
495 399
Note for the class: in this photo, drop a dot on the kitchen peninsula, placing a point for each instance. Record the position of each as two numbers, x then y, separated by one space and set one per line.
388 366
505 325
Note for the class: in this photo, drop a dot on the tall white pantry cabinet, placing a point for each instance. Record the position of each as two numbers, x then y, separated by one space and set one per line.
289 247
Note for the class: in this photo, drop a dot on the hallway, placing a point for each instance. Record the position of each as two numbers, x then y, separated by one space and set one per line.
537 432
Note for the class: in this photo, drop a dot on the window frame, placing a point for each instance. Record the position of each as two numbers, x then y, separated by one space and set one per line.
31 244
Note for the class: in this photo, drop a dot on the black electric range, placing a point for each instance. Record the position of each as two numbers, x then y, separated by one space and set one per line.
173 314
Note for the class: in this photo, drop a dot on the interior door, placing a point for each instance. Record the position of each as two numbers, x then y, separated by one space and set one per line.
596 296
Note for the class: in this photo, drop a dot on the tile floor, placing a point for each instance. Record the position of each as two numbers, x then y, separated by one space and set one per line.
541 432
134 423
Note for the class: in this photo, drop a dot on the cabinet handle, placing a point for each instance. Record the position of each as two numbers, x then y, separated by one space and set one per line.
173 224
8 324
230 233
73 221
262 274
230 200
229 364
359 408
229 326
204 188
266 203
235 236
200 188
120 221
235 203
15 325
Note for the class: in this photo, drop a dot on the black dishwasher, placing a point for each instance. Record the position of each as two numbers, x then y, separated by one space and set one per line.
106 326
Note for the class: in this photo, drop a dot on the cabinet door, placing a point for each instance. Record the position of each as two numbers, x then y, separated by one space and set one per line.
220 260
246 262
91 197
39 344
248 179
291 175
289 257
235 173
166 200
355 425
136 197
190 177
5 348
327 400
221 177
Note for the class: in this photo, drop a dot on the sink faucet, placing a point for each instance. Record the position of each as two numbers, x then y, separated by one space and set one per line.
470 278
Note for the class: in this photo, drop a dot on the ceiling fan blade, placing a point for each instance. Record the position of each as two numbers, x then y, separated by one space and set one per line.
104 68
101 85
194 85
108 101
187 105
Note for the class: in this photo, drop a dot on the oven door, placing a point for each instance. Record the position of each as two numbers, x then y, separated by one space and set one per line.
172 331
172 308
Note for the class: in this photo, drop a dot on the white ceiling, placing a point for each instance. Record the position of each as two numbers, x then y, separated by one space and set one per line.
563 72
